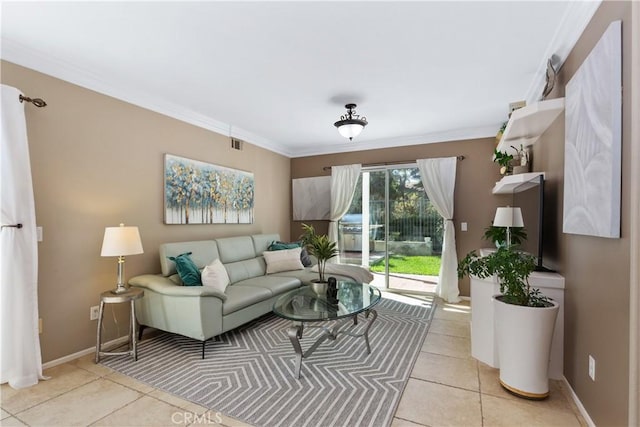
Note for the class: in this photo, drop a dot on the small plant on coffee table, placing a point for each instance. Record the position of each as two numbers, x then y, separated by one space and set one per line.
319 246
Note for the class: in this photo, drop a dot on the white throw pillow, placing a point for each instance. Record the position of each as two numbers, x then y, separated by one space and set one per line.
215 276
283 260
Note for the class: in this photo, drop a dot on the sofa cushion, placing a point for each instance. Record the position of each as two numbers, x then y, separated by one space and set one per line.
305 258
305 276
215 275
275 284
202 253
246 269
283 260
233 249
187 270
261 242
239 297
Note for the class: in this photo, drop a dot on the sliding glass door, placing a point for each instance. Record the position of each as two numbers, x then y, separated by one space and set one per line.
392 229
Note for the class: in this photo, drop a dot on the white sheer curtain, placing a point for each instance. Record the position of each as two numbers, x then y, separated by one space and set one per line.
20 359
343 186
439 180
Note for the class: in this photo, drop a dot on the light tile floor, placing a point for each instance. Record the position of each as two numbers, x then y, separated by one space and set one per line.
447 388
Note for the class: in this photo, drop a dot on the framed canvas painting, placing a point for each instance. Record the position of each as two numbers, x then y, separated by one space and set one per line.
311 198
592 155
202 193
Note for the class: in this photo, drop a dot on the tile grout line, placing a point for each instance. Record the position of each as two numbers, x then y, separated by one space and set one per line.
116 410
445 385
53 397
480 390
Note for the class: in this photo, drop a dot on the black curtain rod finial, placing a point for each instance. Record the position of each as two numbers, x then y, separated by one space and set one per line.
38 102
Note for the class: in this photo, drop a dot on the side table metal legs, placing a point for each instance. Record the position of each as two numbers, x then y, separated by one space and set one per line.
99 334
295 334
132 345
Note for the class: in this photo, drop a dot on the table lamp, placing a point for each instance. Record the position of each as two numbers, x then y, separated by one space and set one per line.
121 241
508 217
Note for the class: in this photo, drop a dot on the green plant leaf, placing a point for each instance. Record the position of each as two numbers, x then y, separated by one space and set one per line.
512 269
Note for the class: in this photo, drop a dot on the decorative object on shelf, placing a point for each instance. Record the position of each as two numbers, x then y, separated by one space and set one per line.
522 160
504 159
551 73
201 193
319 246
593 141
525 320
121 241
351 124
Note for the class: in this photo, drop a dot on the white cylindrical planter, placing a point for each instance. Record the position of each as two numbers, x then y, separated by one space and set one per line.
524 336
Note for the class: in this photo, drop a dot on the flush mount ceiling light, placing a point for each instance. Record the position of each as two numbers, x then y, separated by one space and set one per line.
351 124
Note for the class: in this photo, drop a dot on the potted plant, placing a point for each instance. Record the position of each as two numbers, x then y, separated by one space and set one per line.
320 247
524 320
498 235
504 159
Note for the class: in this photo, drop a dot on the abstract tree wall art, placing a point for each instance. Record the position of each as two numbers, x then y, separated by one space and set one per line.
593 138
202 193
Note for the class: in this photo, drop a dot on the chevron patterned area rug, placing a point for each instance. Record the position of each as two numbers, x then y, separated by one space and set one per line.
248 373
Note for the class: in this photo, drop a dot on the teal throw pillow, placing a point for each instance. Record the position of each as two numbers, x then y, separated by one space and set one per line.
187 269
279 246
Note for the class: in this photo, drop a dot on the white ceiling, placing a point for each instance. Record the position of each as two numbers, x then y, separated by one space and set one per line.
277 74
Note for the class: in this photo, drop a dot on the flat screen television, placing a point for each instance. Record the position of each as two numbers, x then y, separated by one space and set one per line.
529 197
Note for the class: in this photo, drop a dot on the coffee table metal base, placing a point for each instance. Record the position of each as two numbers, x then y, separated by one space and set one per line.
295 334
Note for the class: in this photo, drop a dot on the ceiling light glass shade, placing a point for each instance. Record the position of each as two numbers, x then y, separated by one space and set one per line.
350 130
351 124
120 241
508 217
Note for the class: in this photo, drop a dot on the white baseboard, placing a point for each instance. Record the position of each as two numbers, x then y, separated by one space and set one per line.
576 400
70 357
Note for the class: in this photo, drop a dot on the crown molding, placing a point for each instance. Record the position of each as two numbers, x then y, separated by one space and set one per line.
575 19
44 63
431 138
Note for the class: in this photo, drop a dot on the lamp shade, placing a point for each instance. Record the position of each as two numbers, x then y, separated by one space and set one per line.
121 241
508 217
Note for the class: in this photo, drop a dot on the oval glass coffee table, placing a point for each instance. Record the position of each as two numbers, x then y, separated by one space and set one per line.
310 304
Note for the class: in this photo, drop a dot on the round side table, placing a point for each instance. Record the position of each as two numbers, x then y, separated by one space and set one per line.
109 297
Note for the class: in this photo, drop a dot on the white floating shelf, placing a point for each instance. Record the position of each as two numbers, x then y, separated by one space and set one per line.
508 183
526 124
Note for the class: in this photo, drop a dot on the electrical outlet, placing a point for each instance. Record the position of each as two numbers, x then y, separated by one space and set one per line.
592 368
463 226
40 325
93 312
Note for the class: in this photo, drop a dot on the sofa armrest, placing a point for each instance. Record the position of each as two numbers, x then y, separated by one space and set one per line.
164 286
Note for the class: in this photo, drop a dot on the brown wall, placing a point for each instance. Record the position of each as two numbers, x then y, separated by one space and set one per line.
475 177
596 269
97 161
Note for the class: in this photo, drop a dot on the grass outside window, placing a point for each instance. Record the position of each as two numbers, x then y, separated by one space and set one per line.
410 264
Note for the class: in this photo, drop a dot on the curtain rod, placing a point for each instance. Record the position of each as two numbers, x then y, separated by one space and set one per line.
38 102
400 162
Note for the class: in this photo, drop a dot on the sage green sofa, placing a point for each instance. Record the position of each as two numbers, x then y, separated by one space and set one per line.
199 312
